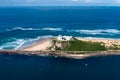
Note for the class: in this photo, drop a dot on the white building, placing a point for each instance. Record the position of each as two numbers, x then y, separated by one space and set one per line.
64 38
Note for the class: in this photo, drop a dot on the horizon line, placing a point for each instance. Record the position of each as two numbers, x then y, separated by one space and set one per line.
65 6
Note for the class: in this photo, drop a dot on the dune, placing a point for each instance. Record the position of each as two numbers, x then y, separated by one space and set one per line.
107 42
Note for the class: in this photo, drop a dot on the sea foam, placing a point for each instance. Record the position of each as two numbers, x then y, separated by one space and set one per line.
97 31
21 28
18 43
52 29
34 29
13 44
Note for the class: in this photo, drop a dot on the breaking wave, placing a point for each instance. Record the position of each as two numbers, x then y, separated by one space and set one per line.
21 28
98 38
34 29
13 45
97 31
53 29
18 43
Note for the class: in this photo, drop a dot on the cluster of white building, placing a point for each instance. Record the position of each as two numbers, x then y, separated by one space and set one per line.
64 38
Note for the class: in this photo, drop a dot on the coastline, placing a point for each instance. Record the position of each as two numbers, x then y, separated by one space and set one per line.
107 42
74 55
40 45
41 48
43 44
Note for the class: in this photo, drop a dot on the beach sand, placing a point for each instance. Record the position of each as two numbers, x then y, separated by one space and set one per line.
41 45
107 42
44 44
41 48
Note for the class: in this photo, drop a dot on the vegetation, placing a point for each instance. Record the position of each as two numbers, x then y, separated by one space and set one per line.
77 45
114 47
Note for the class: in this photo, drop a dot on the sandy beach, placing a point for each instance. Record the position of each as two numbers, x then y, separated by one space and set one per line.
44 44
41 45
41 48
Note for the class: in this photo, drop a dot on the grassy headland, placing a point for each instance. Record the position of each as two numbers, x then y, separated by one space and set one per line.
78 45
85 46
74 48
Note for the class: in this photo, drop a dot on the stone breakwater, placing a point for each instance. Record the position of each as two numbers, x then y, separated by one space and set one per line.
67 54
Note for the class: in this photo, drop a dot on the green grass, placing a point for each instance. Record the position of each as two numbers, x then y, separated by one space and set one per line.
84 46
114 47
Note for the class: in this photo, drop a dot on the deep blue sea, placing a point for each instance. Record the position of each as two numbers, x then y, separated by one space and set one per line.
23 25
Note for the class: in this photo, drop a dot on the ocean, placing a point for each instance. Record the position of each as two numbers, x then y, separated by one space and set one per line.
22 25
18 67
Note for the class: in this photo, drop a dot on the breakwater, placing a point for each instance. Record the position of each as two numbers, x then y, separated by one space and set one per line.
68 54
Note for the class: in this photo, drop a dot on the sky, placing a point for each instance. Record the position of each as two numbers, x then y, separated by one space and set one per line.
59 2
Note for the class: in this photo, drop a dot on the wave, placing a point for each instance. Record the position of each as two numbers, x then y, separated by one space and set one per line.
98 38
19 43
53 29
23 29
34 29
97 31
13 45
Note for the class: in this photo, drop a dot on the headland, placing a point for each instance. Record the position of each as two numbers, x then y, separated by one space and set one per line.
70 47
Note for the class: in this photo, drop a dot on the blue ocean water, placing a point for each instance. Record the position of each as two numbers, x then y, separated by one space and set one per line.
20 25
16 67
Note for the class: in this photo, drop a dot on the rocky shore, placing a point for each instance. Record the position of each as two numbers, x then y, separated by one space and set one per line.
47 47
67 54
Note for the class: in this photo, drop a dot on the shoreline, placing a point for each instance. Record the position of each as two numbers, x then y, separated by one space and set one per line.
107 42
41 48
44 44
39 45
66 54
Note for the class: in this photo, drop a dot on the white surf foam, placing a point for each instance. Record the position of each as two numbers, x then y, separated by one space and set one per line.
13 45
52 29
34 29
98 38
21 28
98 31
18 43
